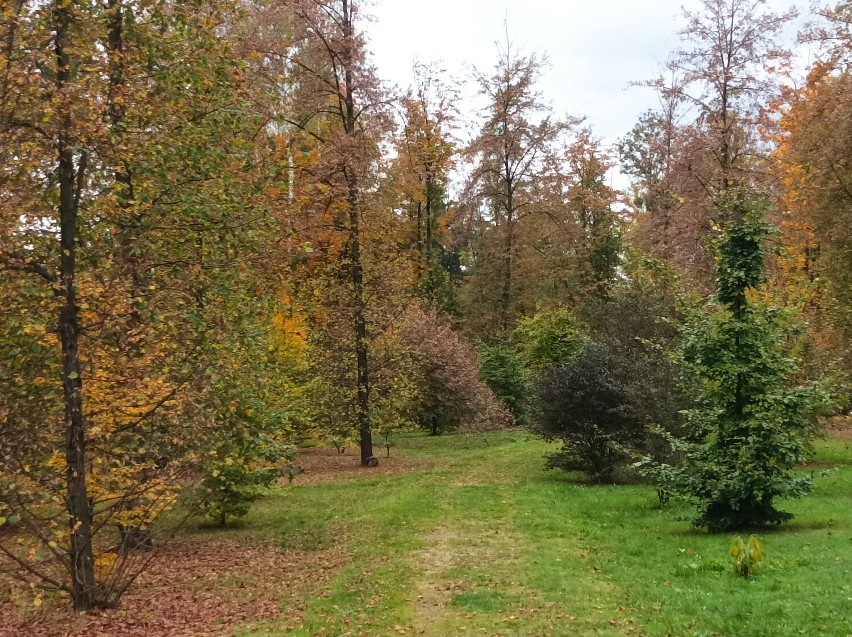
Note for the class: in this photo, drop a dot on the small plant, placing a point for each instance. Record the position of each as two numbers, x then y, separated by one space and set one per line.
244 463
747 557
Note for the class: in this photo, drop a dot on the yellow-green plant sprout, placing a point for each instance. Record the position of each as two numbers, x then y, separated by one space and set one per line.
747 557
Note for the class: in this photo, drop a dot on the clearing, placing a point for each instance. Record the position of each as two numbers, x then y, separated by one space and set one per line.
469 535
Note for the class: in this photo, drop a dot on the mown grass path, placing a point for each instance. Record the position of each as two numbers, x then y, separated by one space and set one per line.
479 539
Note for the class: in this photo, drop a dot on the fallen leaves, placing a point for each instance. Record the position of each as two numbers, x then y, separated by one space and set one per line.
194 588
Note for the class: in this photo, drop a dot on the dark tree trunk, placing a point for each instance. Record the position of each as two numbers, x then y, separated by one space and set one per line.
361 343
419 243
430 193
356 266
70 186
506 295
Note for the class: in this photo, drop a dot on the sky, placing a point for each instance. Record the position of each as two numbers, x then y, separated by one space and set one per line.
596 48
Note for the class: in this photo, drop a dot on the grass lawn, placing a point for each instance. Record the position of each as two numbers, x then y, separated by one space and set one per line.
478 539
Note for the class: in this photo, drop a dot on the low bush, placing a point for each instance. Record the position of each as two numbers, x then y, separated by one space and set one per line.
586 405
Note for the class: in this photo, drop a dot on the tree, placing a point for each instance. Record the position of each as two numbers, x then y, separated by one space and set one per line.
336 114
815 172
510 156
426 156
718 85
592 201
119 254
727 76
755 419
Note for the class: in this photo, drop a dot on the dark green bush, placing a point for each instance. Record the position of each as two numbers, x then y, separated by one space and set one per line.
586 404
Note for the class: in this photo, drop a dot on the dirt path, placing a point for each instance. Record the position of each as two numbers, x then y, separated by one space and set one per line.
466 571
433 593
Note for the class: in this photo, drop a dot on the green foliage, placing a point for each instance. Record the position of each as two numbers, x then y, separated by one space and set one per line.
166 221
394 389
755 420
605 253
258 407
633 333
230 487
639 321
747 557
242 467
549 338
503 370
586 405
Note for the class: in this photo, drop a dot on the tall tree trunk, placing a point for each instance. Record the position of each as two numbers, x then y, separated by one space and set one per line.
506 294
360 323
508 264
356 267
419 243
70 185
430 193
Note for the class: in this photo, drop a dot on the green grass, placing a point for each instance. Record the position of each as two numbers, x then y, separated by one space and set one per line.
489 543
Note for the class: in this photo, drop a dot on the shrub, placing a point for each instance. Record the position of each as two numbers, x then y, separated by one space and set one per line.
586 405
640 323
549 338
451 394
747 557
240 469
230 486
503 370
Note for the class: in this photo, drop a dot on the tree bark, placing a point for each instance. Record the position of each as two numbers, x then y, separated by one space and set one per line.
356 266
421 273
70 185
430 193
506 295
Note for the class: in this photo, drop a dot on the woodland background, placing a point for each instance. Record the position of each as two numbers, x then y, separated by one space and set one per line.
223 238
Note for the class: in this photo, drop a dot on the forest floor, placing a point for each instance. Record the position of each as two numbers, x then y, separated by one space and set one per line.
470 535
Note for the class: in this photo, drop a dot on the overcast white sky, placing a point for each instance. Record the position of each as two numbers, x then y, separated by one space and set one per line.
595 47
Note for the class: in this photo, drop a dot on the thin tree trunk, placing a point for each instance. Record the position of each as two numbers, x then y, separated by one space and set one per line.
70 183
506 295
361 342
419 242
356 267
430 192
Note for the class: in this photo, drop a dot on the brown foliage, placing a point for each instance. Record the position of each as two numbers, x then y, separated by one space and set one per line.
452 395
